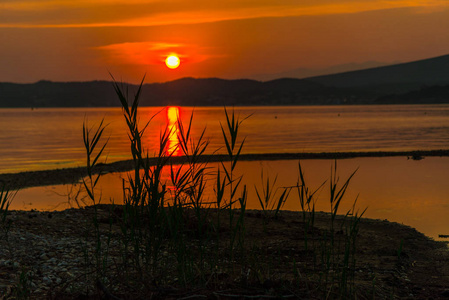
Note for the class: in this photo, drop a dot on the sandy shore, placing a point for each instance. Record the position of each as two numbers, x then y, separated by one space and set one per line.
72 175
419 272
50 245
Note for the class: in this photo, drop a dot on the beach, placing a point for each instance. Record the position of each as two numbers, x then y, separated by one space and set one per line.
50 245
393 260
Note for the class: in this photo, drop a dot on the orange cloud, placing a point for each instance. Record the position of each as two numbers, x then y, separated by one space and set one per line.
152 53
103 13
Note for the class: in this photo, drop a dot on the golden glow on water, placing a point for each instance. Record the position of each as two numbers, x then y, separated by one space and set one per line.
50 137
173 115
414 193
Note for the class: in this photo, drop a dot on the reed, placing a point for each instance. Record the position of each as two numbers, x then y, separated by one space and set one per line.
268 201
91 138
177 237
5 201
233 149
22 289
6 197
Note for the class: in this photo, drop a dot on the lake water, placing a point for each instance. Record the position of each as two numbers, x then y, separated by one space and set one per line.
415 193
52 138
410 192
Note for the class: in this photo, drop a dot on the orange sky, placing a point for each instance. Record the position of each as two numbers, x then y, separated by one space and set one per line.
69 40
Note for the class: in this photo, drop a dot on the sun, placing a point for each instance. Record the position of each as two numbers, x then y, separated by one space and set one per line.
172 61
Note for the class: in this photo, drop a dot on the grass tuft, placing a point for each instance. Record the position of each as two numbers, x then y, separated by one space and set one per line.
172 236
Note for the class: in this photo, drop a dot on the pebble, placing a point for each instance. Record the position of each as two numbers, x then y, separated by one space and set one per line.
46 280
49 256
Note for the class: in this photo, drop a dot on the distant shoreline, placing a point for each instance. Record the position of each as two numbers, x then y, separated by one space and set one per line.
71 175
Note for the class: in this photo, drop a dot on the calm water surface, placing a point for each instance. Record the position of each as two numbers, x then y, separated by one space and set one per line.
415 193
52 138
411 192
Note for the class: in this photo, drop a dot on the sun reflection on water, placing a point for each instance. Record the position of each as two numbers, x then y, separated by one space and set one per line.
173 115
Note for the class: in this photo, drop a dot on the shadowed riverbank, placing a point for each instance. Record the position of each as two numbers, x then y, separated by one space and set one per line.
72 175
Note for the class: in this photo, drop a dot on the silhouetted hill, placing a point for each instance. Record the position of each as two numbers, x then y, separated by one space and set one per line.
186 91
427 95
57 94
301 73
403 83
399 78
214 91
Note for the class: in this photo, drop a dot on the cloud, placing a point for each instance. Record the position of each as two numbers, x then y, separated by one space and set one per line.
103 13
152 53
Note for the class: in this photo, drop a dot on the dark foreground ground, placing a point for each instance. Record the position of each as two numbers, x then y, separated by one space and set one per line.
49 255
392 261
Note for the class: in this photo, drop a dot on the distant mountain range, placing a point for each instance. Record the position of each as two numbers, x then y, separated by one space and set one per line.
302 73
423 81
398 78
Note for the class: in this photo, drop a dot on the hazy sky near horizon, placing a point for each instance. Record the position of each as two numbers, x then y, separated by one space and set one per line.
81 40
